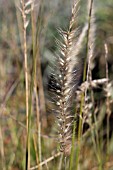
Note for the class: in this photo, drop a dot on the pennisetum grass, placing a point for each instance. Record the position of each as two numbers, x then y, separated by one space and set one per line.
87 75
25 24
67 60
39 95
25 10
90 53
66 77
66 80
34 84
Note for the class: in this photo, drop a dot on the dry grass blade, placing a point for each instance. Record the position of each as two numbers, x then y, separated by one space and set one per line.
46 161
91 39
25 11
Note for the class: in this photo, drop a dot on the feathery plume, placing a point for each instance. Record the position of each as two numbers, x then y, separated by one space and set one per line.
66 82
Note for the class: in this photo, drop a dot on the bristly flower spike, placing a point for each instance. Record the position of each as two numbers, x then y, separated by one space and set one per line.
67 61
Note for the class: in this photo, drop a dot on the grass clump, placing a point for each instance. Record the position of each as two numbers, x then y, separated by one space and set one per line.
76 92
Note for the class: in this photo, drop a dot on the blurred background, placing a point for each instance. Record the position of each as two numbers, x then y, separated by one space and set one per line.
51 14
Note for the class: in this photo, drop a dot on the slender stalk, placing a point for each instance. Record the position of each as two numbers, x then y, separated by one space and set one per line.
73 142
25 56
2 150
46 161
36 151
39 143
60 162
79 132
38 125
37 53
27 166
84 77
34 76
88 34
108 111
98 153
90 45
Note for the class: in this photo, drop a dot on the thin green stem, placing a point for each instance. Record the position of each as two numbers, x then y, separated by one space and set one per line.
73 142
84 77
60 162
97 141
34 76
79 132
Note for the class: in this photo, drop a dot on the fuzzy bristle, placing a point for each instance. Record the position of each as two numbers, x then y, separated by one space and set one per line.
66 78
67 60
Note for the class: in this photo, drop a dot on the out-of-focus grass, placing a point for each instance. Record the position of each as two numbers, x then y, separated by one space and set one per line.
12 82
